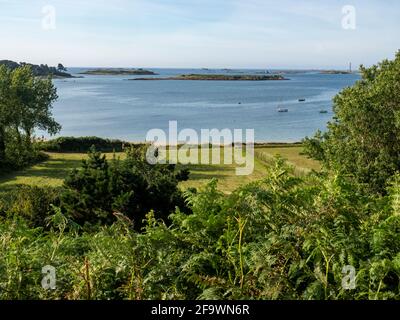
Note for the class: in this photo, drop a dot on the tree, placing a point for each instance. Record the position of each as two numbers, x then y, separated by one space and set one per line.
61 68
5 83
363 140
25 104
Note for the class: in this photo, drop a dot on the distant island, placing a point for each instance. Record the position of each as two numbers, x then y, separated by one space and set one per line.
42 70
219 77
335 72
117 72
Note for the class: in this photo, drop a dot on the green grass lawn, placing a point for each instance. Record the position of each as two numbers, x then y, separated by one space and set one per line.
228 181
291 153
53 171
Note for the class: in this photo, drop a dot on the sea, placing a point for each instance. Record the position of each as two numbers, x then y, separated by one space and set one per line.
114 107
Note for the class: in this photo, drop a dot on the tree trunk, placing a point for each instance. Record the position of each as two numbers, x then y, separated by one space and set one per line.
28 141
19 139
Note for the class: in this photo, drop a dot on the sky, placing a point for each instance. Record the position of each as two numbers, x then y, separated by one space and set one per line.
268 34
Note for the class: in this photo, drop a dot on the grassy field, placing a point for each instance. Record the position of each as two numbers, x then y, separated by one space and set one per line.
53 171
292 154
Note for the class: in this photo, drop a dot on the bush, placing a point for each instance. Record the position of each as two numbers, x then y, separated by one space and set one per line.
363 140
82 144
31 203
18 157
284 237
101 189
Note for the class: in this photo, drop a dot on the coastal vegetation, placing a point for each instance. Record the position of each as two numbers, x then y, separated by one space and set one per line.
82 144
283 237
119 228
363 140
219 77
42 70
53 171
25 105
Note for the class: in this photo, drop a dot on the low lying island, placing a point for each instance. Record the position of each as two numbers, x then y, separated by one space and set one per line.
119 72
218 77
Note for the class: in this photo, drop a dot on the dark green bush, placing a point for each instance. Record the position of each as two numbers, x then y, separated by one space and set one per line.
82 144
100 189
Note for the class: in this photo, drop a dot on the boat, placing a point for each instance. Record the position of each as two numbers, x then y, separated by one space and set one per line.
302 100
323 111
280 109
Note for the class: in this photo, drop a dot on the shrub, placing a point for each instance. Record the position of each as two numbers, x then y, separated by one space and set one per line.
101 189
18 157
82 144
363 140
284 237
31 203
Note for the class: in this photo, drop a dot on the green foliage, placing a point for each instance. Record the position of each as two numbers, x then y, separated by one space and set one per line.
17 156
34 204
101 189
82 144
284 237
42 70
25 105
363 140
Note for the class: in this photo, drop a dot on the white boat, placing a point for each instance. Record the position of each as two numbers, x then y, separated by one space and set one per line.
280 108
283 110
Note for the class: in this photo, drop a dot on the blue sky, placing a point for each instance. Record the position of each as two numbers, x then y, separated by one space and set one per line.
200 33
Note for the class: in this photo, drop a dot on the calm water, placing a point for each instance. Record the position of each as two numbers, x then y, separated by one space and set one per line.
109 106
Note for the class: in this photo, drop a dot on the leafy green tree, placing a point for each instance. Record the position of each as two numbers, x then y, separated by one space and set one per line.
5 112
25 104
363 140
32 99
